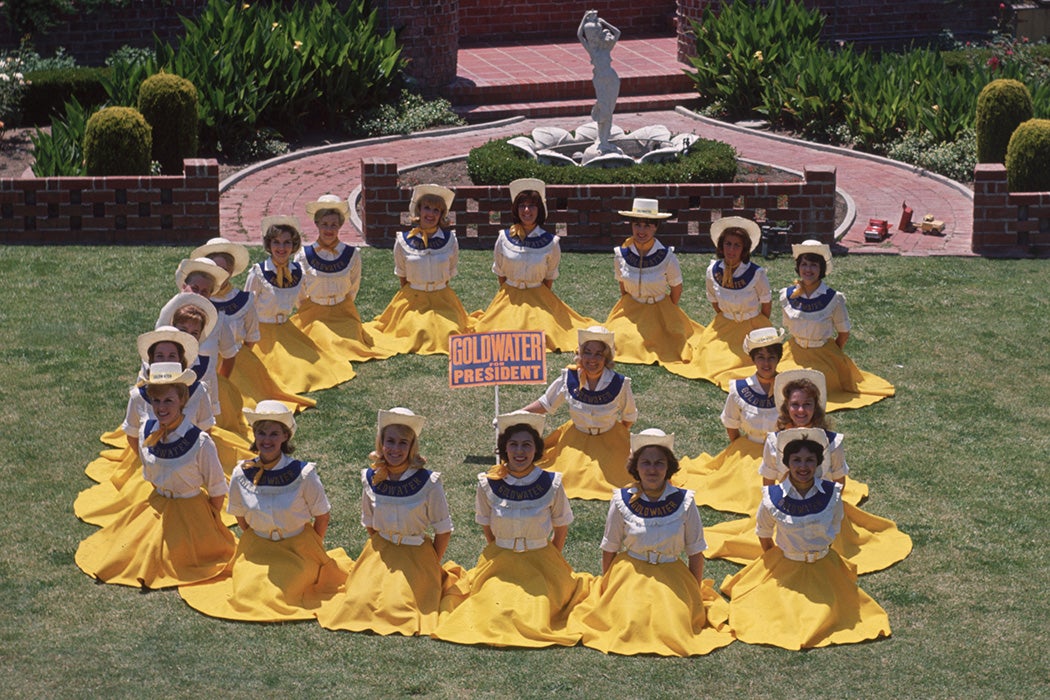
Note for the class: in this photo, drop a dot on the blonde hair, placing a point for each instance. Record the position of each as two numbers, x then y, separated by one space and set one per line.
433 200
379 464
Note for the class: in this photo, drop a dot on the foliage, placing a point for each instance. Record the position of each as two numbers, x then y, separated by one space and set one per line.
169 104
34 61
497 163
51 89
1001 106
131 54
412 112
32 16
955 159
12 90
61 152
117 141
1027 156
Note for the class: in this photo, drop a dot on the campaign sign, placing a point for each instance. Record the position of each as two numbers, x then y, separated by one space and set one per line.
497 357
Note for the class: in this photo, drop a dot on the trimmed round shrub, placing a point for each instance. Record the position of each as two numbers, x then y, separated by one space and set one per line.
169 104
117 141
1027 156
1001 106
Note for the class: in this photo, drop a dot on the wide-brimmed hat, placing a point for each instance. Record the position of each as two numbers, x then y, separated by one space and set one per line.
529 183
282 220
599 333
400 416
786 437
645 209
817 377
816 248
720 226
238 252
419 191
506 420
271 410
651 436
169 373
206 266
763 338
328 201
168 334
189 299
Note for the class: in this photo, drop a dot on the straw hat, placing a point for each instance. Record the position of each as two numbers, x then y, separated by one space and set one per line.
506 420
206 266
420 191
168 334
170 373
328 201
645 209
189 299
598 333
815 376
238 252
651 436
719 227
292 221
816 248
763 338
529 183
785 437
271 410
399 416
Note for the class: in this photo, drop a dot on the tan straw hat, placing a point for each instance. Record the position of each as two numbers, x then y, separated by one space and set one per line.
651 436
189 299
529 183
815 376
168 334
238 252
170 373
271 410
598 333
292 221
328 201
206 266
816 248
400 416
420 191
720 226
645 209
507 420
762 338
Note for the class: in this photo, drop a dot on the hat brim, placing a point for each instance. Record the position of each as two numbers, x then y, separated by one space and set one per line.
168 334
640 441
600 334
285 416
784 378
340 206
528 183
505 421
393 417
239 253
283 220
419 191
775 338
652 216
192 266
752 229
211 316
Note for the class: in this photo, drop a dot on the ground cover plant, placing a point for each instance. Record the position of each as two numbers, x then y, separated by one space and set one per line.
956 459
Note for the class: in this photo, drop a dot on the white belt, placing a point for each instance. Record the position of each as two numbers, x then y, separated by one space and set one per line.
278 319
522 285
743 316
592 431
168 493
276 534
808 557
649 300
331 300
757 439
396 538
803 342
652 557
427 286
520 544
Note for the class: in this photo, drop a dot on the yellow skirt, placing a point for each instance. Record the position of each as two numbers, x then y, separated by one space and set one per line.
391 589
660 333
642 608
535 309
799 605
848 386
255 384
338 330
419 322
101 468
591 466
159 543
869 543
114 438
297 363
231 416
270 581
514 599
718 352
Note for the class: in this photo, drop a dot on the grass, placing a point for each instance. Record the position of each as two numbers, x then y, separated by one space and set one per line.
957 459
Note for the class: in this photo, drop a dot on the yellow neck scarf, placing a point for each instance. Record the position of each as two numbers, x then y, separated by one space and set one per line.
159 435
284 275
501 471
423 233
727 273
643 249
384 472
520 232
330 248
263 467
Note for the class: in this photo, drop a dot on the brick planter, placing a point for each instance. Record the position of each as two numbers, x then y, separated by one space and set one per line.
1008 224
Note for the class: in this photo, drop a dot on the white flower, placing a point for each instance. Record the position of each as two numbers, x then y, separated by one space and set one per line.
19 76
3 77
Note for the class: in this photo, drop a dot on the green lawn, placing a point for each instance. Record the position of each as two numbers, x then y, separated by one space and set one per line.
956 459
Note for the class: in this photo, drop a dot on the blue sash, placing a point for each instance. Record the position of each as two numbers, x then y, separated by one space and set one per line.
330 267
753 398
541 241
654 509
171 450
737 282
635 260
233 305
435 243
276 477
802 506
271 275
200 367
399 489
534 491
809 305
593 398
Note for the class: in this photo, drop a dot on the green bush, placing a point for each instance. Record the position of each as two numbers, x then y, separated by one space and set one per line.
1027 156
49 90
117 141
169 104
497 163
61 151
955 158
410 113
1001 106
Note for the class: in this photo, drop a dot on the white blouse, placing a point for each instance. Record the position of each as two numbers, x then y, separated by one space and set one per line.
522 525
749 409
746 301
656 539
833 467
429 269
180 468
272 304
330 288
814 327
593 418
526 264
239 315
278 512
801 537
406 519
647 284
197 409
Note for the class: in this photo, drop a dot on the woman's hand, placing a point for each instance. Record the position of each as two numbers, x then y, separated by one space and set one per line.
441 543
696 567
321 524
561 532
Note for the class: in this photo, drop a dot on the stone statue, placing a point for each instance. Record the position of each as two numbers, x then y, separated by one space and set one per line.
598 38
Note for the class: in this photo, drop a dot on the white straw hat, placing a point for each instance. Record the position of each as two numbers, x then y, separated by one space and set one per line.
786 437
598 333
645 209
206 266
762 338
720 226
283 220
816 248
529 183
420 191
328 201
506 420
168 334
400 416
169 373
271 410
651 436
189 299
239 253
815 376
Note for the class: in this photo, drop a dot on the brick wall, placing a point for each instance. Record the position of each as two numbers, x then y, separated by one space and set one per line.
588 213
428 31
163 209
555 19
1008 224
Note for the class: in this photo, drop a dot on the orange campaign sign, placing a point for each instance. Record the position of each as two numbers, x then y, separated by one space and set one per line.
497 357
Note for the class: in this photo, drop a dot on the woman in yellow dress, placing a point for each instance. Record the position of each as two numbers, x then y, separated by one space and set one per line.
800 593
649 601
526 259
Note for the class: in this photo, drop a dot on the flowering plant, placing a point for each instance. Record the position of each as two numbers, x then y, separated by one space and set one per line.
12 85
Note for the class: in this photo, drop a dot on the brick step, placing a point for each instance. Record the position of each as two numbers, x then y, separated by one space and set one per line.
465 92
573 108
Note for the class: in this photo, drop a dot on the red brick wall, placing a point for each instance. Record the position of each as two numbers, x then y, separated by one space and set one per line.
428 31
555 19
167 209
1008 224
587 213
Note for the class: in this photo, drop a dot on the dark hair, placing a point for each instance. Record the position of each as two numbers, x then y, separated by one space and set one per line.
182 351
745 255
286 447
813 257
776 348
796 446
672 462
784 416
274 229
529 197
504 438
226 257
